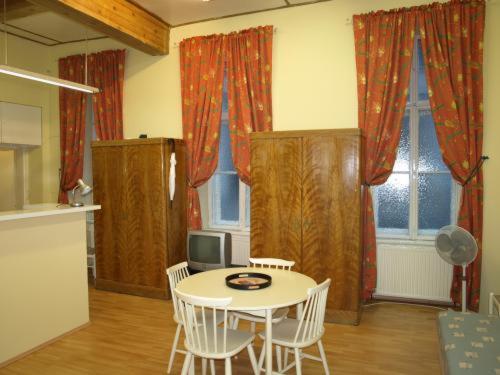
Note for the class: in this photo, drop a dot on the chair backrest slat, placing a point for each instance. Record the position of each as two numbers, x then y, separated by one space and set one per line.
201 328
311 322
271 263
175 275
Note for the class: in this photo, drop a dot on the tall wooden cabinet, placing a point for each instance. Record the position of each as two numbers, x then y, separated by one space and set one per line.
139 232
306 207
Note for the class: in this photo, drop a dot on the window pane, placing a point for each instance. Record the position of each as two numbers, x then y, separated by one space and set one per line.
225 103
393 200
247 207
434 201
423 94
225 159
430 159
226 199
402 163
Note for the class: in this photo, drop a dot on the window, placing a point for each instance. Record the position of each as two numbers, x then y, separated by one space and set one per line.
229 205
420 196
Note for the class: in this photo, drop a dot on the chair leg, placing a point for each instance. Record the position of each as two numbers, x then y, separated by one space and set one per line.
323 357
278 358
192 366
252 327
228 366
285 361
298 362
212 367
174 348
235 322
204 366
262 356
253 360
187 363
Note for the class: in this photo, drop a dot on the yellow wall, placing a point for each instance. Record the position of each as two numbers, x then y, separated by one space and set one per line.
7 181
314 85
491 238
43 161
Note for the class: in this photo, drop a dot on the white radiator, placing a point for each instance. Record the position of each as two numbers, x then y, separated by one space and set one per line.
412 271
241 248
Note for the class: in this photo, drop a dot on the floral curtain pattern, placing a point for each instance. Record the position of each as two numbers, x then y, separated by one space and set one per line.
452 44
106 71
384 49
202 75
72 117
249 70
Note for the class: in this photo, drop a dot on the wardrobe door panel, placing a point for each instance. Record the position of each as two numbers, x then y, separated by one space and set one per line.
177 209
276 168
146 215
331 220
110 234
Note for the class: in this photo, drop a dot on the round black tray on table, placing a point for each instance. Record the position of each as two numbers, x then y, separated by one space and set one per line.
248 281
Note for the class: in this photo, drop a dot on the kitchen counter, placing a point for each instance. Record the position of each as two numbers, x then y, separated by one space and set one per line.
44 209
43 277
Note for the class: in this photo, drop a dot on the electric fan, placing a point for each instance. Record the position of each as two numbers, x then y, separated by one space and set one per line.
457 247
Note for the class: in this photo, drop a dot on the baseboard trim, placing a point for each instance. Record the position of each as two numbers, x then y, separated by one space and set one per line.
42 345
414 301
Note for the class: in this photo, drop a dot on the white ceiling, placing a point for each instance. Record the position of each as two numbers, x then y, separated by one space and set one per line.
180 12
52 29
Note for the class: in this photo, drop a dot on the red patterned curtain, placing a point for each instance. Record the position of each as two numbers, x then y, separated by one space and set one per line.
452 44
384 49
72 111
202 75
249 70
106 71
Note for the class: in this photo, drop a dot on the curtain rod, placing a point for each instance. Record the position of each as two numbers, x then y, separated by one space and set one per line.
348 20
176 44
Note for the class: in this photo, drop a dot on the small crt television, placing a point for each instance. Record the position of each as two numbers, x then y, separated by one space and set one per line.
208 250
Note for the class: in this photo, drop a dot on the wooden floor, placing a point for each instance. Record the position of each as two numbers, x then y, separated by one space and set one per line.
132 335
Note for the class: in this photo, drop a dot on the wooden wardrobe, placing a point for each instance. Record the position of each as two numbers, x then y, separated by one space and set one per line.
306 206
139 232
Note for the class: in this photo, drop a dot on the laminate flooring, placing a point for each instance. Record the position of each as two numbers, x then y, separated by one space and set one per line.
133 335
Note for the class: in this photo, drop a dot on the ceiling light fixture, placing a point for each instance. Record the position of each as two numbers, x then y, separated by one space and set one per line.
17 72
22 73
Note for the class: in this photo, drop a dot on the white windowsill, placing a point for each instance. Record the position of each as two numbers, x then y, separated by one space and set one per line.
421 242
232 230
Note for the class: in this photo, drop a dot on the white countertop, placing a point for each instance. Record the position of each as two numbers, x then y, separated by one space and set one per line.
45 209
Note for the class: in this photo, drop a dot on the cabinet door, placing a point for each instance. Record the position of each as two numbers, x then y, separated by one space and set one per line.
332 216
276 168
146 215
21 124
110 233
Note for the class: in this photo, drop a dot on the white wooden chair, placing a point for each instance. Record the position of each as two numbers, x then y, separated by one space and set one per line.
296 334
176 274
279 314
204 337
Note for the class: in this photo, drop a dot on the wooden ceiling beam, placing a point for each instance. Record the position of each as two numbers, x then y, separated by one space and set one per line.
122 20
19 9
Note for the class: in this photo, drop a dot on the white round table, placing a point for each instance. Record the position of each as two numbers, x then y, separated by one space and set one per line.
288 288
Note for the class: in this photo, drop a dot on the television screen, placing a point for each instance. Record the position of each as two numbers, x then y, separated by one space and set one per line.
204 249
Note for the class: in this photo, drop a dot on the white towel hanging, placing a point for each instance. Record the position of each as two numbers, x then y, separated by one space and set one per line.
171 179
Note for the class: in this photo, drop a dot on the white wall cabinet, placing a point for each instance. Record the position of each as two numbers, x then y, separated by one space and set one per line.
20 125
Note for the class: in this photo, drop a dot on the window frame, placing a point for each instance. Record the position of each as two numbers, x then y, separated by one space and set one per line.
413 107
